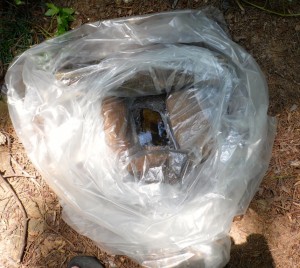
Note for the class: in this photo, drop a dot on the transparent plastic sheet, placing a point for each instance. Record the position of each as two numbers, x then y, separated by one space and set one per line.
152 130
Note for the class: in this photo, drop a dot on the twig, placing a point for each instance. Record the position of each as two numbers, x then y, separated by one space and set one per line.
9 149
124 7
33 243
280 207
296 204
17 176
4 207
25 220
270 11
240 5
174 4
10 3
27 175
282 177
44 32
59 234
21 168
63 263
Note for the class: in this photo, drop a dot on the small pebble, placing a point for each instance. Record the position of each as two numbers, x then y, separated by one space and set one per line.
294 107
2 139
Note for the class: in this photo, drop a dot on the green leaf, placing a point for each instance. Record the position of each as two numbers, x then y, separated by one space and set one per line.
59 20
71 18
66 24
51 12
53 9
69 11
63 16
60 30
19 2
51 5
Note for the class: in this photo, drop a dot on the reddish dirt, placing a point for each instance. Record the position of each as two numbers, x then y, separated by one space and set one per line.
267 235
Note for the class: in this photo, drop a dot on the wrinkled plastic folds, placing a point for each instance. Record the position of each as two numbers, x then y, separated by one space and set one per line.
152 130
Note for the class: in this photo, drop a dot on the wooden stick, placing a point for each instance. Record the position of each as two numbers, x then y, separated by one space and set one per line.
25 220
17 176
269 10
240 5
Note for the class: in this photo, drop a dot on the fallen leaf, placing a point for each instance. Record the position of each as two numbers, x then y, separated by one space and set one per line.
263 204
295 163
294 107
283 188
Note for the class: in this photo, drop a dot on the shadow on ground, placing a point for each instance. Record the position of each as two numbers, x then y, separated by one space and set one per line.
254 252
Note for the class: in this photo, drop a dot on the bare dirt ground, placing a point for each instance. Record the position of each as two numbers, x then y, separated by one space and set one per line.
267 235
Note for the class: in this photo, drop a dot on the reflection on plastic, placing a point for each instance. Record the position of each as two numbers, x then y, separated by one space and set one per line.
153 127
152 130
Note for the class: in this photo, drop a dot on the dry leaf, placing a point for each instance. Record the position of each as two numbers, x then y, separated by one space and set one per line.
283 188
296 204
263 204
295 163
297 184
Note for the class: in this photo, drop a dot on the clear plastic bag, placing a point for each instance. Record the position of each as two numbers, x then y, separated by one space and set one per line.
152 130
